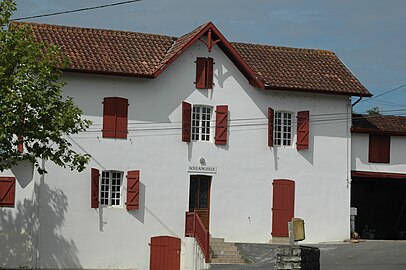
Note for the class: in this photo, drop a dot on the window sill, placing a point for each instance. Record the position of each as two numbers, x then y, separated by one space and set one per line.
111 206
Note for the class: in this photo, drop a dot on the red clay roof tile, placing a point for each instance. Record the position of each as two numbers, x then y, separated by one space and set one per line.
139 54
386 124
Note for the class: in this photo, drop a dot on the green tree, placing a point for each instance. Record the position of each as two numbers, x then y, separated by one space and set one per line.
33 112
374 111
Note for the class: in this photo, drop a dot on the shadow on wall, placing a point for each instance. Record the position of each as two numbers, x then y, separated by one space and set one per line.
29 242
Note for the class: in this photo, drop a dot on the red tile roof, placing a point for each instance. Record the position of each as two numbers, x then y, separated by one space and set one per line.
107 51
306 69
379 124
145 55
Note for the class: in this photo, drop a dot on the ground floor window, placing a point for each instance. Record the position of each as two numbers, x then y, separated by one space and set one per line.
110 188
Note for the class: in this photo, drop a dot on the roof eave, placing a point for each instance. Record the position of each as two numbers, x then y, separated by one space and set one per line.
308 90
377 131
111 73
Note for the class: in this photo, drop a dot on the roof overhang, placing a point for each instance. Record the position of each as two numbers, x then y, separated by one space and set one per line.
368 174
270 87
377 131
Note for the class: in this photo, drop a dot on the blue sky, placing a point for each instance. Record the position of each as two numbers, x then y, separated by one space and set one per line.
368 35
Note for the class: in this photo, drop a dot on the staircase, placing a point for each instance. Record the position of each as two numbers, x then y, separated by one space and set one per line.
225 253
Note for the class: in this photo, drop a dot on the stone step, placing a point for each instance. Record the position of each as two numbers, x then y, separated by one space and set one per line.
224 252
216 240
225 248
227 261
229 257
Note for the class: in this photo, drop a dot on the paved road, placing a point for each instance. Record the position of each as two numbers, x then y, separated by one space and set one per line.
369 255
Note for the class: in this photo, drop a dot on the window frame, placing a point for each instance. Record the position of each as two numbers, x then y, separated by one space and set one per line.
281 132
110 189
200 127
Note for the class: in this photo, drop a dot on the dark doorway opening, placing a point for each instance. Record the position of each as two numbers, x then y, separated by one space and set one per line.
199 197
381 207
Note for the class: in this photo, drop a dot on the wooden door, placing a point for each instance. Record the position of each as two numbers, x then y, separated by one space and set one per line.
165 253
283 206
199 197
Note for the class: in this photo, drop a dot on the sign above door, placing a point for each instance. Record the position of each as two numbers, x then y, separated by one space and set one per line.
202 169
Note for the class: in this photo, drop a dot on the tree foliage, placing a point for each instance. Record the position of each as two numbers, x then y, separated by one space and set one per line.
33 111
374 111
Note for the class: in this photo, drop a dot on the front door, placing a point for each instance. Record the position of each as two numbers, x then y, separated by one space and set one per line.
199 197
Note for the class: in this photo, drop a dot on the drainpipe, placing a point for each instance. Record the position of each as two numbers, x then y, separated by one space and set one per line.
358 100
349 122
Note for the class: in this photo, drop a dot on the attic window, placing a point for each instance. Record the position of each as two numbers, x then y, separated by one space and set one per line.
204 73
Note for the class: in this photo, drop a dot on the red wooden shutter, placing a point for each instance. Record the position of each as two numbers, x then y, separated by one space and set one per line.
7 191
20 146
282 206
209 73
201 73
379 148
94 188
133 189
221 124
270 126
121 109
186 121
109 118
303 130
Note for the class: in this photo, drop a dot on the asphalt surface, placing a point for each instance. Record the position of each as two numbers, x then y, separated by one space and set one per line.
368 255
378 254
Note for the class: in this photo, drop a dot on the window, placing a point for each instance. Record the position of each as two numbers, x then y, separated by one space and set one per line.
379 148
283 129
204 73
7 191
110 188
201 116
115 117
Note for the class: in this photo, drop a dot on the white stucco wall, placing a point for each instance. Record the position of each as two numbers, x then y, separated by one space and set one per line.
72 235
19 224
360 146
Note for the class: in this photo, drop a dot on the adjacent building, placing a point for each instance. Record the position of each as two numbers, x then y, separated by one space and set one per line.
378 176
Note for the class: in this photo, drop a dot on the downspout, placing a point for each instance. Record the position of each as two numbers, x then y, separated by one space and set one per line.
358 100
349 123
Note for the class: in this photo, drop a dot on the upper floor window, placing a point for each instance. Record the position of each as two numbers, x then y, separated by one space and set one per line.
110 188
283 129
115 117
204 73
379 148
201 116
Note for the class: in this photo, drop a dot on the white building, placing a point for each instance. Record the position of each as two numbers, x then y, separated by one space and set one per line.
246 135
378 176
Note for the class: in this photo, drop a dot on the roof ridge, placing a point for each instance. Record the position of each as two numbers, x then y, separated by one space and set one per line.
90 28
322 51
